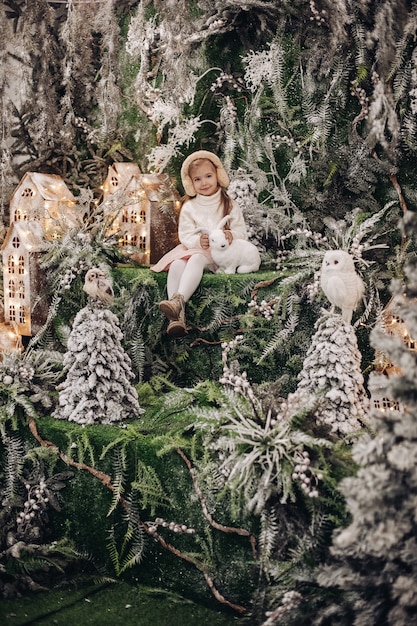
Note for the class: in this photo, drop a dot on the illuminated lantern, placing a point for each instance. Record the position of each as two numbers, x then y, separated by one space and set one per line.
24 307
380 400
44 198
146 225
10 340
392 324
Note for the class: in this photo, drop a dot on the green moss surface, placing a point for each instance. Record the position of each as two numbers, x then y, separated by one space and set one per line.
86 520
110 605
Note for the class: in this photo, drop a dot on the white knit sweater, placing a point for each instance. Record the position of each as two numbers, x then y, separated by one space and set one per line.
204 212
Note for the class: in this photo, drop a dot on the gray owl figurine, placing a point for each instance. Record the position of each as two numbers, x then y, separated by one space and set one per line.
340 282
98 286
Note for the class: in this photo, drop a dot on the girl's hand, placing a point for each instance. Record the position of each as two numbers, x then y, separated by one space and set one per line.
228 236
204 242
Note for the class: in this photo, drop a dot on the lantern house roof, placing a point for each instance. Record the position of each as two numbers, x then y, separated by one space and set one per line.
50 186
120 174
128 175
36 189
30 234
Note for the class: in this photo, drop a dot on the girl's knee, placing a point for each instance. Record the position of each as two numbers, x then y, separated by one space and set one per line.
198 260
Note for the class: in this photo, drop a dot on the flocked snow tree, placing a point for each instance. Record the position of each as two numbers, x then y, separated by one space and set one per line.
98 385
332 370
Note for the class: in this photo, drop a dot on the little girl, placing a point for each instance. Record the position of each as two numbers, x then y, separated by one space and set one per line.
206 202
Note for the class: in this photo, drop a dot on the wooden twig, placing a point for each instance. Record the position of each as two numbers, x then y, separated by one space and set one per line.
397 187
263 283
225 529
205 341
105 479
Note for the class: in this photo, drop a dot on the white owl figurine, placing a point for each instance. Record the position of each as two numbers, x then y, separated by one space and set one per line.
340 282
98 285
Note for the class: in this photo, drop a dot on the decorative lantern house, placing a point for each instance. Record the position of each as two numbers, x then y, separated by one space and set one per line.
380 401
146 225
24 308
44 198
392 324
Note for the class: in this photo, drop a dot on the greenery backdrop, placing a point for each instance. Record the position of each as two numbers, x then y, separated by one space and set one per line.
312 107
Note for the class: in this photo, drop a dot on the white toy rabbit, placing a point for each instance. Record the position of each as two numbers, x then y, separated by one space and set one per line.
240 256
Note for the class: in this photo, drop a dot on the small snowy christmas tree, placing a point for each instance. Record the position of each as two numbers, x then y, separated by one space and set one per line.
97 388
375 570
331 369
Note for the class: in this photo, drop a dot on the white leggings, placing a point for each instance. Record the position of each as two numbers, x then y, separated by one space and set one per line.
184 276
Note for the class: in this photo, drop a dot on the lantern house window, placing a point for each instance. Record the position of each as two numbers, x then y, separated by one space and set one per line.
22 317
142 219
125 217
142 242
27 192
20 216
10 264
114 181
134 217
21 290
385 404
12 290
21 267
127 240
15 242
12 313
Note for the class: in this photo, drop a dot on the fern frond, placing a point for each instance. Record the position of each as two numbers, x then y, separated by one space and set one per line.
119 468
148 487
14 464
279 339
137 352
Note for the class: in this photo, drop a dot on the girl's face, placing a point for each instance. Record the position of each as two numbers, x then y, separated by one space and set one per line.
204 177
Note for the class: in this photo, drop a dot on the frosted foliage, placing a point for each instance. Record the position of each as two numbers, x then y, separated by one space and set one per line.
382 120
243 189
108 93
163 113
163 46
75 28
413 84
265 66
97 388
332 369
178 136
382 497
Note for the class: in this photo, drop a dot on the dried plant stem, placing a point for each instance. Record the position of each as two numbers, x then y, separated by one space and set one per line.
397 187
199 340
225 529
105 479
263 283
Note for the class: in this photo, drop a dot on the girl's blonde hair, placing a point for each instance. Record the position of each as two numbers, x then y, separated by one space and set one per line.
225 200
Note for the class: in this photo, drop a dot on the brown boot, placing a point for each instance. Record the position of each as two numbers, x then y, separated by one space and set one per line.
174 310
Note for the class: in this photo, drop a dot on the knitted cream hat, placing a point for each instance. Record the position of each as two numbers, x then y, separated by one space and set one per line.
222 177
